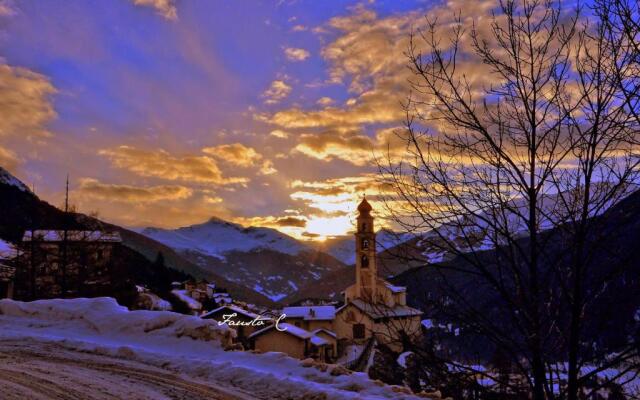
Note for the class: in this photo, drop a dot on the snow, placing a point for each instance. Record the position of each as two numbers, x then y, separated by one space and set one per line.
6 250
184 344
395 289
8 179
191 302
428 324
232 308
402 359
311 312
273 296
318 341
217 237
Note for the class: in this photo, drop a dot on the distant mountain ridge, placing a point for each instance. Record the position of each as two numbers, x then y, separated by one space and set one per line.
217 237
262 259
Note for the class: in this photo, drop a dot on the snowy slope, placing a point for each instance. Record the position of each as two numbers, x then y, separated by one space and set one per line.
8 179
216 237
181 344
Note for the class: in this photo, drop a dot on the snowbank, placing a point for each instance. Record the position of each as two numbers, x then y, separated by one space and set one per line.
184 344
103 316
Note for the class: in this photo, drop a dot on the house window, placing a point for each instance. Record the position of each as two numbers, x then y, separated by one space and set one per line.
365 243
364 226
365 261
358 331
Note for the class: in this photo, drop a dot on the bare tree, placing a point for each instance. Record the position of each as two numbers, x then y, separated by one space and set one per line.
527 167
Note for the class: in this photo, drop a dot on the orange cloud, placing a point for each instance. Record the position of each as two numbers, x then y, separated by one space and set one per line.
166 8
278 90
295 54
106 191
236 154
25 103
159 163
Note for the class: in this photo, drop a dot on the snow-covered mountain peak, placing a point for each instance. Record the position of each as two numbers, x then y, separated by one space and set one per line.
216 237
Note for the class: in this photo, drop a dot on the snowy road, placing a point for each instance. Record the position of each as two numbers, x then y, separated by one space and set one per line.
43 371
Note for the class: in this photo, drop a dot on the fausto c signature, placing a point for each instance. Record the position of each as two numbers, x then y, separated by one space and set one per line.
259 320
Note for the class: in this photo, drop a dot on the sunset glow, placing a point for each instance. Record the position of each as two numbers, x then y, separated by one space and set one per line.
165 120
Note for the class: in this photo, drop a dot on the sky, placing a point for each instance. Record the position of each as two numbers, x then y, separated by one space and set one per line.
168 112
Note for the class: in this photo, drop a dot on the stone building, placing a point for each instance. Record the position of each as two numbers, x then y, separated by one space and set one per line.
372 306
56 263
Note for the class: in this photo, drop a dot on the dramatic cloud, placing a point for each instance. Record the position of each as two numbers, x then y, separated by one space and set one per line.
291 221
159 163
278 90
25 103
236 154
8 159
106 191
353 147
166 8
267 168
294 54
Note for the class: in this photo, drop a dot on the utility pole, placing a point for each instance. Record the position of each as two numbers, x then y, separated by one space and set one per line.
32 255
65 239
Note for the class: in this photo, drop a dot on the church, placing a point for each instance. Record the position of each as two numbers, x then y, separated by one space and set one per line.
374 310
372 306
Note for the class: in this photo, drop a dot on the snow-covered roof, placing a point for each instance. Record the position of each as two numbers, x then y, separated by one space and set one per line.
72 236
328 332
294 331
288 328
377 311
395 289
233 309
310 313
318 341
191 302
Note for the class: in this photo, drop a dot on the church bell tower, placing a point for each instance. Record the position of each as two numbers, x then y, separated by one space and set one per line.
366 271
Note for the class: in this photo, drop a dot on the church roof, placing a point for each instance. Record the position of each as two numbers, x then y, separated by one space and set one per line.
377 311
364 207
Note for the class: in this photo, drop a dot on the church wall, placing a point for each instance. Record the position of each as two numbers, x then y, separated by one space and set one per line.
347 317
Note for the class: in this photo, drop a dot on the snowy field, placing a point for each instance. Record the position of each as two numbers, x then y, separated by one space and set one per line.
95 349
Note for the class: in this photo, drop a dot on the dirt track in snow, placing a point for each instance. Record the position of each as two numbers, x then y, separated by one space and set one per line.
46 372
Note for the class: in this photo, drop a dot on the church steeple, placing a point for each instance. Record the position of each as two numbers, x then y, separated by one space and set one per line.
366 270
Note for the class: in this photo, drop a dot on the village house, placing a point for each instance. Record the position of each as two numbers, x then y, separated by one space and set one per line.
292 340
57 263
241 321
7 270
7 276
